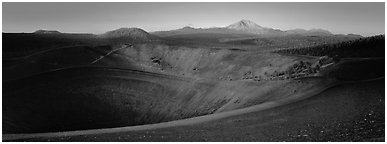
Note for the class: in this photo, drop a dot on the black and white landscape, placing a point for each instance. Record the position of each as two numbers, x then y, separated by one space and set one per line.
238 82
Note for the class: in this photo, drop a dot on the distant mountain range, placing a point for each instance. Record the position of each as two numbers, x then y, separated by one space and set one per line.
244 33
47 32
246 27
241 30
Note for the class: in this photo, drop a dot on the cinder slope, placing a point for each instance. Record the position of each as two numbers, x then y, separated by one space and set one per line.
128 92
349 112
96 97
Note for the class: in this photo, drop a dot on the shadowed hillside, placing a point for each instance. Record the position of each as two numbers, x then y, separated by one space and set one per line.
21 44
97 97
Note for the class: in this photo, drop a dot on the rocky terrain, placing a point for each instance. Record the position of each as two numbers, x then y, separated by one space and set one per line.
219 84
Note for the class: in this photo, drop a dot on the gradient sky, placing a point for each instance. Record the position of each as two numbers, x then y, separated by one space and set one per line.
339 18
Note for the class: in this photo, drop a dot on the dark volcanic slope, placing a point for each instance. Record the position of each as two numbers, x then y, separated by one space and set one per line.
96 97
102 97
356 69
84 98
349 112
53 59
22 44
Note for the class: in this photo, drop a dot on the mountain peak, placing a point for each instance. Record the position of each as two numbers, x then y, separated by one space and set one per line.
248 26
247 22
244 25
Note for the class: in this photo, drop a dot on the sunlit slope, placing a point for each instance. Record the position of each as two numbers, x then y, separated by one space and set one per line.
157 58
201 62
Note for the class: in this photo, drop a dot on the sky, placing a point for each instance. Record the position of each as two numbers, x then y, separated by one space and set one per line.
366 19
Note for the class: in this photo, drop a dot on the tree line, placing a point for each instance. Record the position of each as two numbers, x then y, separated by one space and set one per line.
363 47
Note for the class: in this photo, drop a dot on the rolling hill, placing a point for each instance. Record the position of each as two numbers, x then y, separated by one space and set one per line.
132 33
